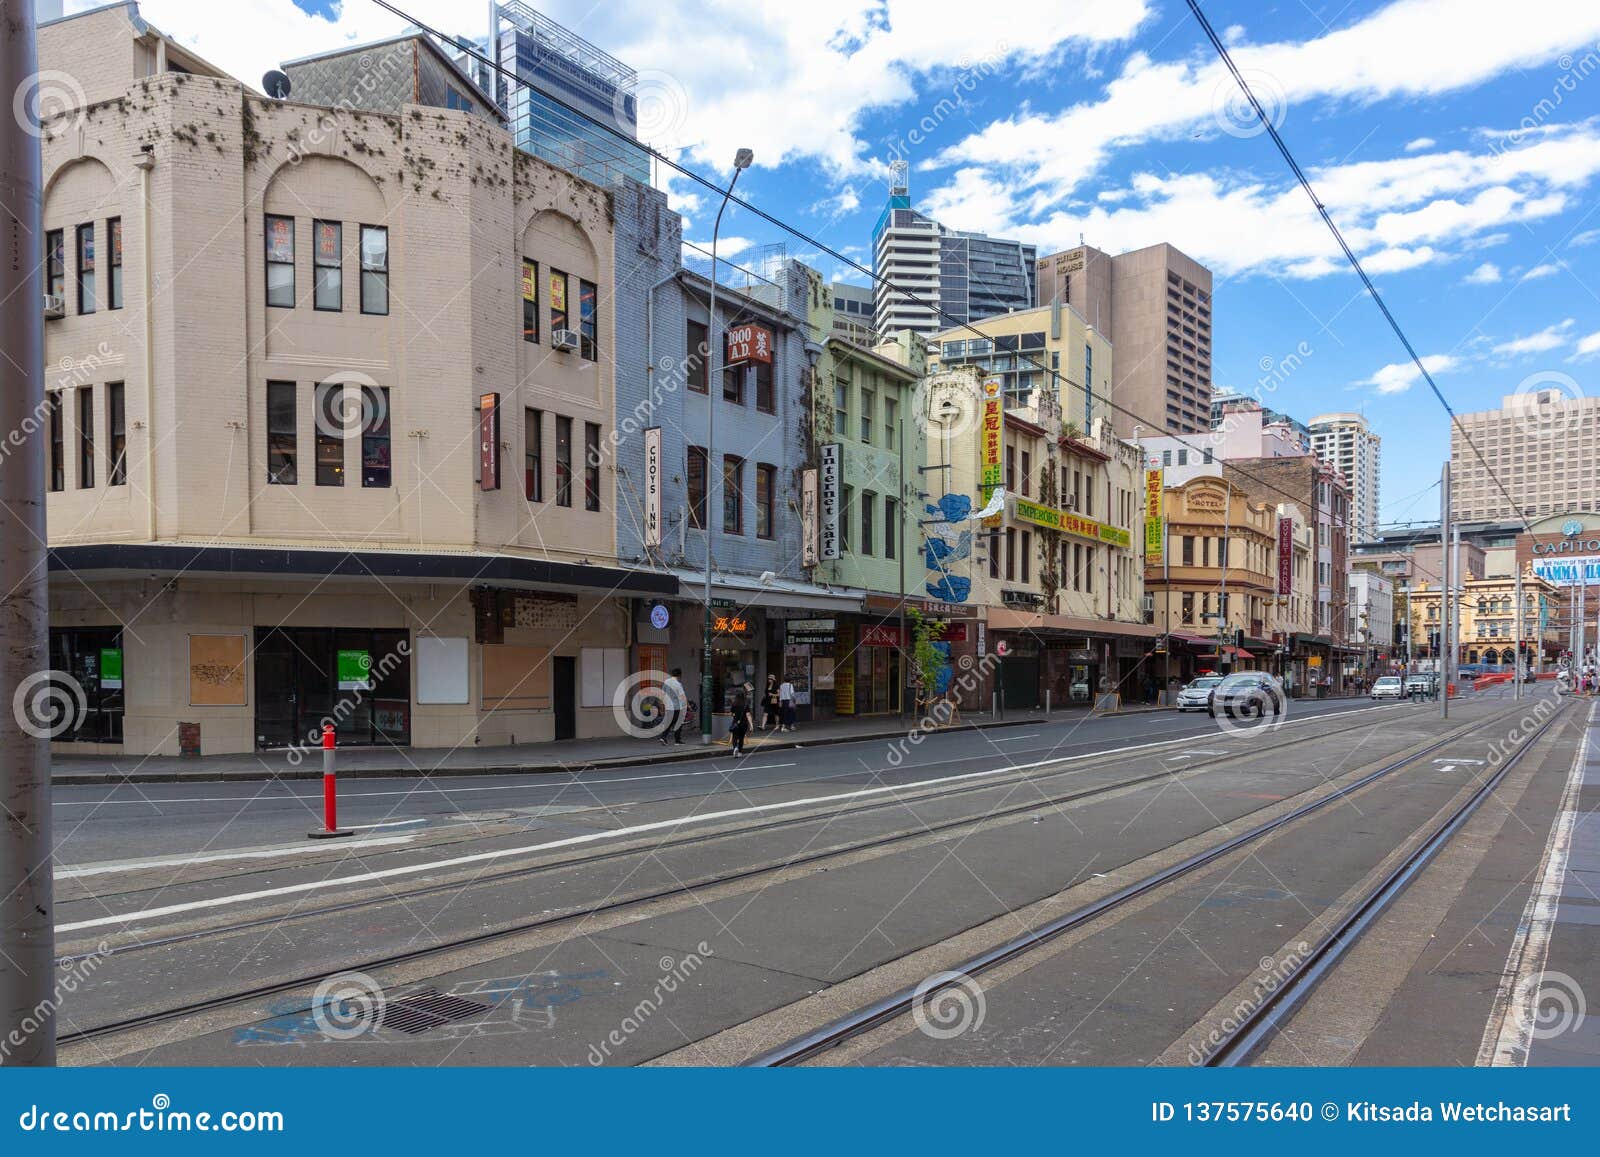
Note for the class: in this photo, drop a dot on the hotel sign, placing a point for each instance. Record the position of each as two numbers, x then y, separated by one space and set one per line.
489 442
1068 523
1155 531
832 467
652 486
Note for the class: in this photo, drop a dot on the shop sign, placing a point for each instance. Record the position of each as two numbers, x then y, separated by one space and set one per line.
953 633
489 442
1080 655
1155 531
355 670
111 668
981 651
749 343
730 625
816 632
991 443
1285 555
660 616
880 635
808 517
832 465
1569 571
1068 523
1314 661
652 486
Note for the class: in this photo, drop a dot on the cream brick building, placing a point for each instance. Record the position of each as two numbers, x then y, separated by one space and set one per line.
279 331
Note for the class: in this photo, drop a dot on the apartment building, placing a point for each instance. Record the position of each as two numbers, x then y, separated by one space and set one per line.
1346 442
329 411
1155 303
1540 456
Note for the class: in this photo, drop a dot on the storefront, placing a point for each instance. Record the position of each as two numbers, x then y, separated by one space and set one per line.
1072 671
867 670
85 700
357 677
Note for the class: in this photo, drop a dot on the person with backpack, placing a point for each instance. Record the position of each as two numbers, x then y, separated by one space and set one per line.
739 726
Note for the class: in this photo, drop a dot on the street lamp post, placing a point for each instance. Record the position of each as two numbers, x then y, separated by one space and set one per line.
741 162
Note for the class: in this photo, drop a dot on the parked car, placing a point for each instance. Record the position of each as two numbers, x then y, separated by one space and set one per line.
1247 693
1421 685
1196 694
1388 687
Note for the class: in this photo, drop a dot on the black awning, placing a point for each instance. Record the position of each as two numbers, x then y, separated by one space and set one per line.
476 569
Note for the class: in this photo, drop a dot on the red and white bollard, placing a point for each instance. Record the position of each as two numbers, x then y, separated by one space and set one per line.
330 792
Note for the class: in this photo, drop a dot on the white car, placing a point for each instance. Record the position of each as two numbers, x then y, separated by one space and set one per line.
1388 687
1196 695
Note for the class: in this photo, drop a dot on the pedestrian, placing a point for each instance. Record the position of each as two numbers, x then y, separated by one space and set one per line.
739 725
786 705
677 703
769 705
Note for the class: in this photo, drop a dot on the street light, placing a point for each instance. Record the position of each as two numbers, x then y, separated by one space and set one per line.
741 162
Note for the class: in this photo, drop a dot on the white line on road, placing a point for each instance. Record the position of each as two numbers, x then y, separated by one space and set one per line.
108 867
588 838
1014 738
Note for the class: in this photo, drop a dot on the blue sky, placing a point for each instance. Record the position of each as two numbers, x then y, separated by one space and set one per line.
1457 142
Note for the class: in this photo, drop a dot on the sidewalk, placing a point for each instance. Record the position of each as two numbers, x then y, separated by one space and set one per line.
566 756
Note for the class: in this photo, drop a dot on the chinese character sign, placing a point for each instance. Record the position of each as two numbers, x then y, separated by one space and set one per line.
991 443
1155 531
749 343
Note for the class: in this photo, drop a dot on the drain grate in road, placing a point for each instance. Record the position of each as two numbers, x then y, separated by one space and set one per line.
429 1008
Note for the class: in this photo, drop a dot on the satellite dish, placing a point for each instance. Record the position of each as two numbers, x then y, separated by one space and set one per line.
276 85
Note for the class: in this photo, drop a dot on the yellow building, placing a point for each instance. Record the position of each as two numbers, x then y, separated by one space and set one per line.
1488 621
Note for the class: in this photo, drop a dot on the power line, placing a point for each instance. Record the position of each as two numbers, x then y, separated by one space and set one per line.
714 187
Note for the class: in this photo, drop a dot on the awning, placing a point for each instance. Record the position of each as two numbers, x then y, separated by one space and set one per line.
1006 619
749 593
1194 640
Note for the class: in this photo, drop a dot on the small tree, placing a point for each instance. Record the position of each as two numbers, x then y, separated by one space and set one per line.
925 632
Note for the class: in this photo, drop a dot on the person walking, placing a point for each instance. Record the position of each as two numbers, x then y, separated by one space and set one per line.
677 703
786 706
739 725
769 705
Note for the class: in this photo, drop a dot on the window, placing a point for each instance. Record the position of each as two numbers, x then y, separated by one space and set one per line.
280 261
993 538
1027 473
58 461
558 300
117 431
697 487
1207 455
733 383
1166 457
869 502
86 268
55 263
1187 614
1183 457
563 461
891 433
114 281
588 323
374 269
869 399
533 455
841 406
327 274
591 466
85 437
1011 469
1027 551
891 528
281 433
765 400
697 348
732 494
530 300
1188 550
375 465
456 99
1011 554
766 491
330 426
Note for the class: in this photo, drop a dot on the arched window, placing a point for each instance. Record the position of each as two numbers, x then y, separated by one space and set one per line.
1483 605
1491 656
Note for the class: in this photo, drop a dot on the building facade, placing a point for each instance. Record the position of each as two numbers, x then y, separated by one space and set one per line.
1346 442
1155 303
385 76
1540 457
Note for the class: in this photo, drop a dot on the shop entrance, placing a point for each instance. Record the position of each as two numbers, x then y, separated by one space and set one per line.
91 657
1019 673
358 679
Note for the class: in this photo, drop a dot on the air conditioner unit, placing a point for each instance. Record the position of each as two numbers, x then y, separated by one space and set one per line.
55 305
564 339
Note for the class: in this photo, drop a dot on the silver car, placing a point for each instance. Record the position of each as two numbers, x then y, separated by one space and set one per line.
1388 687
1246 693
1196 695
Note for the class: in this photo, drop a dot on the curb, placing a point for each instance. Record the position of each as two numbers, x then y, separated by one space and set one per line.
713 751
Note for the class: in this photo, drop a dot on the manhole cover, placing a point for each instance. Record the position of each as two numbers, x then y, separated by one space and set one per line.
429 1008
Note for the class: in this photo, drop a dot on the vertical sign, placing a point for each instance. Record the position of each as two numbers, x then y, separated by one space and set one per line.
808 517
991 444
832 464
488 441
1285 555
1155 531
652 486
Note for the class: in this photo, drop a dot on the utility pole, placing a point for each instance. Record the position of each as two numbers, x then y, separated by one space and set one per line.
1447 606
27 910
1516 642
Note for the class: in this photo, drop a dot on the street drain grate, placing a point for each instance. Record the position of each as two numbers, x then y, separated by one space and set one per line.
427 1009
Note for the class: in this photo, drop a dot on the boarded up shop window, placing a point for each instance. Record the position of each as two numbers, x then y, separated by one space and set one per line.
216 670
600 671
516 677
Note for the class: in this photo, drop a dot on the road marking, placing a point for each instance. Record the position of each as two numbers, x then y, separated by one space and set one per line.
389 824
1508 1037
587 838
109 867
1014 738
1453 762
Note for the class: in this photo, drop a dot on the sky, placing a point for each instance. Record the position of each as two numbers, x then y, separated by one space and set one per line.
1455 142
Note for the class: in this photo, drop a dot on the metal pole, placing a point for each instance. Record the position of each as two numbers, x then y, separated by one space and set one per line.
27 912
1516 641
1446 604
713 388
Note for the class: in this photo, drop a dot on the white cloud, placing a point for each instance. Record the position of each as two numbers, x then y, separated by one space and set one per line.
1419 144
1548 269
1587 237
1586 347
1398 377
1486 274
1547 339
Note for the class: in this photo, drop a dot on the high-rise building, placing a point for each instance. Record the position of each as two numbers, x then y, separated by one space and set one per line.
1540 447
551 63
852 313
931 277
1346 442
1155 303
